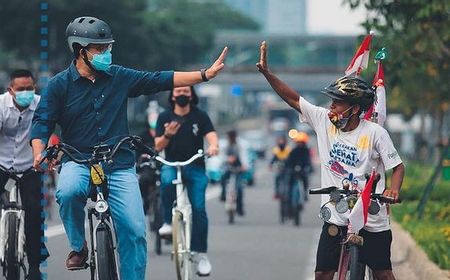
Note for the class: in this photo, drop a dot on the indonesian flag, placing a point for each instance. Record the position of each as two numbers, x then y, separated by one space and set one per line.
379 105
358 216
361 58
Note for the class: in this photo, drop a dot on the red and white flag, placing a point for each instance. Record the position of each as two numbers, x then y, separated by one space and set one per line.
358 216
379 106
361 58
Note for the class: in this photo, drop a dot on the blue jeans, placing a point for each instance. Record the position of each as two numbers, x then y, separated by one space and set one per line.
196 181
126 211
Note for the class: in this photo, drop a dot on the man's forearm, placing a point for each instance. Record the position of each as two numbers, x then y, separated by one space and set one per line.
397 177
181 79
37 146
289 95
161 143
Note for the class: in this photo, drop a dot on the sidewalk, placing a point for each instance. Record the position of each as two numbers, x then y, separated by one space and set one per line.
409 261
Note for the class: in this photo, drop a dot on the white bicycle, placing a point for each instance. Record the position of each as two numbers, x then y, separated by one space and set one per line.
182 221
12 229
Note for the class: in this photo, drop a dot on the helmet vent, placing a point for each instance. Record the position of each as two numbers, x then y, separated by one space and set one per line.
92 21
81 20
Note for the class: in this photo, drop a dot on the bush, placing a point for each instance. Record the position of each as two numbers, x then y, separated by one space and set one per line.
432 232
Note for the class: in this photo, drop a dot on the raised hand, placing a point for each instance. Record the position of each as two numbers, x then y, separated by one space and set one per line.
262 64
217 66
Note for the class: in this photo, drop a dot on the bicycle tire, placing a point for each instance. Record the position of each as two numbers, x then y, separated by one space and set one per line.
231 216
356 269
106 264
12 262
181 255
157 221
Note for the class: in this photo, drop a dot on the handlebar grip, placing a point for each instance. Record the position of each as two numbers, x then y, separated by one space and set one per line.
322 190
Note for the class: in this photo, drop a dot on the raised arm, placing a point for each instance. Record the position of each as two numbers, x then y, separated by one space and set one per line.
181 79
289 95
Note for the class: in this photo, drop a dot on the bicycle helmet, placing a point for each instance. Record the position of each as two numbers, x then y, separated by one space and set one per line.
88 30
301 137
352 90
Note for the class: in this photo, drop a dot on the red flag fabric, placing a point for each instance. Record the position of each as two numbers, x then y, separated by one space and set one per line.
361 58
358 216
379 106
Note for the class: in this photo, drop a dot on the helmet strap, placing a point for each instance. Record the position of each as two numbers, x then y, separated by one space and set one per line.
86 60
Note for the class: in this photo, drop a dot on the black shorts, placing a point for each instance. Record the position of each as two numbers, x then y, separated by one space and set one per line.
375 253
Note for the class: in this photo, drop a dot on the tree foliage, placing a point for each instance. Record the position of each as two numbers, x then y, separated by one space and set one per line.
417 35
149 34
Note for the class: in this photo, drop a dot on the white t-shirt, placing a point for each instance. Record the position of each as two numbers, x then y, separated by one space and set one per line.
350 155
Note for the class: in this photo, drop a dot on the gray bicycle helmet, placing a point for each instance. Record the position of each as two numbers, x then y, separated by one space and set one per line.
88 30
352 90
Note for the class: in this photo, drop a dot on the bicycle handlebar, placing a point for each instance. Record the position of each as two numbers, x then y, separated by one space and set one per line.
377 196
198 155
52 152
14 174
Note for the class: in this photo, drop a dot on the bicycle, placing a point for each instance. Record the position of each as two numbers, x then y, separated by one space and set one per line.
182 221
344 200
12 228
232 193
104 258
292 194
152 196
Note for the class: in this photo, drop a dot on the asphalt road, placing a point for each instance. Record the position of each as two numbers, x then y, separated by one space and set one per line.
257 246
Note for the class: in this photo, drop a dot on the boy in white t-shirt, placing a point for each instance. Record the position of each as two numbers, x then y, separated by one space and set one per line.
349 147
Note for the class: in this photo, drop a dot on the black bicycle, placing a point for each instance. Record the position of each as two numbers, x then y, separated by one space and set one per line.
149 183
104 260
12 228
344 200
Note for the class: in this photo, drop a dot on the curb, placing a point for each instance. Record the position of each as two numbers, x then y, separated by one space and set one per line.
409 261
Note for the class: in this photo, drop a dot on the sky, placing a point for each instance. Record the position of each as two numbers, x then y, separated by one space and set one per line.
330 17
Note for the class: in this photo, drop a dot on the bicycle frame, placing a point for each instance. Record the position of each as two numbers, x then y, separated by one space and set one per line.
182 206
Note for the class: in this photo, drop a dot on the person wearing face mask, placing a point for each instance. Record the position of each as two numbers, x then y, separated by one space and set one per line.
88 101
17 107
349 147
180 133
280 153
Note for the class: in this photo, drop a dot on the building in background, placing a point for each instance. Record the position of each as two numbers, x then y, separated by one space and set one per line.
287 17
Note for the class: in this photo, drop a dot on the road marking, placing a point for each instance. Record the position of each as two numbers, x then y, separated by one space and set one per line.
52 231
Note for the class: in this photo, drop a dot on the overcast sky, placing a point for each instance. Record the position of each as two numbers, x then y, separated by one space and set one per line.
330 17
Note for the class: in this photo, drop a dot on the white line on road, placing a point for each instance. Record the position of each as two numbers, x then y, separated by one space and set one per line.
211 193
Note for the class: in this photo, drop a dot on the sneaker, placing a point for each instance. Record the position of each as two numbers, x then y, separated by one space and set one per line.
165 230
203 265
77 260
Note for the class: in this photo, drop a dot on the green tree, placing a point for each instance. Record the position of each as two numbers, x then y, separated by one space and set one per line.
149 34
417 35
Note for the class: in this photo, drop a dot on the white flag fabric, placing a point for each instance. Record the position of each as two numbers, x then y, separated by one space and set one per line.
361 58
358 216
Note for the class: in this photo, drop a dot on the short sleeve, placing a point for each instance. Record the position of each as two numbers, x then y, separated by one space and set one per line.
311 114
207 125
386 150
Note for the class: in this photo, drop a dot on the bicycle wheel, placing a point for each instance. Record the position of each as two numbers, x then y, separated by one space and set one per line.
356 269
180 252
296 205
157 222
106 262
12 262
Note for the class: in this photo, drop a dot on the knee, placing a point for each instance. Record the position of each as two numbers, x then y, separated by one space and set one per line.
66 195
324 275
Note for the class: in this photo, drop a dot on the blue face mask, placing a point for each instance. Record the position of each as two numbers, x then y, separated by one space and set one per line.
101 61
24 98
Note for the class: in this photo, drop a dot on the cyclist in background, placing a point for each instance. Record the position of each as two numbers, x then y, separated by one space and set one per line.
300 158
89 102
280 154
236 161
349 147
180 133
17 107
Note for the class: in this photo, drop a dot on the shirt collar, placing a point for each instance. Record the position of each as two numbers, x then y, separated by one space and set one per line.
76 75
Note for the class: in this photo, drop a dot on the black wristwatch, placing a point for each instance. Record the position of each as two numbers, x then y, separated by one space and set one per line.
203 73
